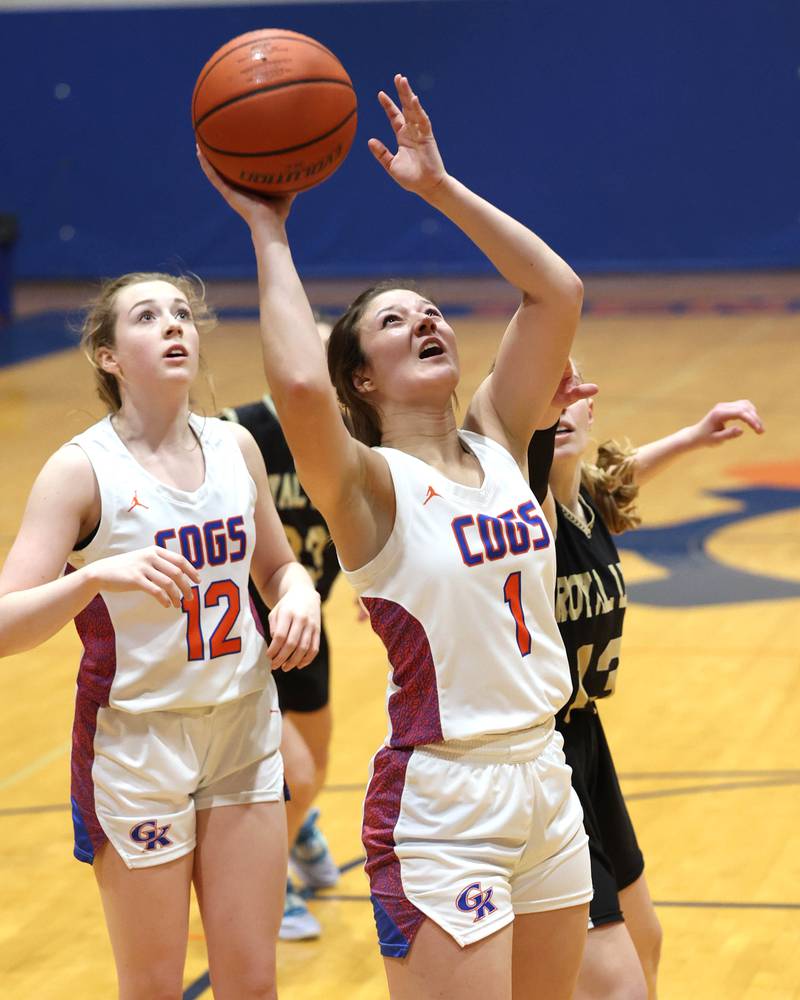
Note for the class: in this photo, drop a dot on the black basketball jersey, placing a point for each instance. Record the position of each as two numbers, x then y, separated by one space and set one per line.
304 526
590 602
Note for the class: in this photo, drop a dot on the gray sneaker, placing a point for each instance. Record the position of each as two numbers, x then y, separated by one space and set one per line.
311 857
298 923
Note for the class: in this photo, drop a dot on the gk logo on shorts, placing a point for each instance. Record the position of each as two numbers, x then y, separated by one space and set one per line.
477 899
151 834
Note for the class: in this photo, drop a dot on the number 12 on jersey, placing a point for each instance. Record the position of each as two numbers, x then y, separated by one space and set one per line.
220 643
512 596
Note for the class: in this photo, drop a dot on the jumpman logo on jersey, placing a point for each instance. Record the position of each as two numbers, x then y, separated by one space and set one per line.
431 494
136 502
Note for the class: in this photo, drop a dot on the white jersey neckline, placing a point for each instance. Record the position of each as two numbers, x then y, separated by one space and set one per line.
455 488
174 492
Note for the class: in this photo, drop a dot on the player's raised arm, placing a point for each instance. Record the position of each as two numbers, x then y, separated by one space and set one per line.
336 471
723 422
535 348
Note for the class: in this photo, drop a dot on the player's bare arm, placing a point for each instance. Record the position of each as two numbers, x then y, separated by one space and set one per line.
723 422
347 482
536 344
283 583
35 599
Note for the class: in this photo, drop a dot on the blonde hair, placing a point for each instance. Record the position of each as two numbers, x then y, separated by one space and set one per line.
610 483
98 327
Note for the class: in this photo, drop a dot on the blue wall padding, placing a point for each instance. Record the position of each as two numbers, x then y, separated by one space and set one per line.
632 136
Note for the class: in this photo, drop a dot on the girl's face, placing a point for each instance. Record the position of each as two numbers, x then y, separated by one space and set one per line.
574 428
411 351
155 340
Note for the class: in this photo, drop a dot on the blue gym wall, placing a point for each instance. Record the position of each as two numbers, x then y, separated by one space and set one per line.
639 135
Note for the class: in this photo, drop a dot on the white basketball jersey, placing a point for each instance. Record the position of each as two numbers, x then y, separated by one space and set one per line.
462 596
138 655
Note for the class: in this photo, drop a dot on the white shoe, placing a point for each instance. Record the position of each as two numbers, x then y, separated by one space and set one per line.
298 923
310 856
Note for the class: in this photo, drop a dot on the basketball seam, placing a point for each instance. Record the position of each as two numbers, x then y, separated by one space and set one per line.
289 149
254 41
267 90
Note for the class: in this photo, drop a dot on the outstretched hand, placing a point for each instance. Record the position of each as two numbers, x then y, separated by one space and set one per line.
570 389
294 626
417 165
715 428
256 210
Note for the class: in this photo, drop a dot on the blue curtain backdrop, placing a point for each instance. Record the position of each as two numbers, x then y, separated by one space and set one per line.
633 136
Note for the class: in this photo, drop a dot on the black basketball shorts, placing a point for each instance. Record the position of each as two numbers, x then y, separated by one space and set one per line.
305 690
615 855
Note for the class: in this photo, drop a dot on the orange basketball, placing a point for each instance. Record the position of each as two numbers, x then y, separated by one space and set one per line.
274 111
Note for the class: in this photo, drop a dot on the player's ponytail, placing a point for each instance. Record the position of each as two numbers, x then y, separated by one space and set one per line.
610 481
98 327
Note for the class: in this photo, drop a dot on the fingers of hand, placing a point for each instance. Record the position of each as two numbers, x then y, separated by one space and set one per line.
285 631
393 113
586 390
422 118
717 437
176 566
209 171
276 651
413 112
577 392
155 591
278 630
166 585
181 580
749 415
306 648
289 632
380 152
741 409
404 91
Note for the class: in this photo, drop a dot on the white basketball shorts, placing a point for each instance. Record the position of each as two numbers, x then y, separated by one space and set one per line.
140 780
469 834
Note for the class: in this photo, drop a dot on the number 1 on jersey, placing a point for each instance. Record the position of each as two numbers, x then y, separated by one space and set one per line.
512 596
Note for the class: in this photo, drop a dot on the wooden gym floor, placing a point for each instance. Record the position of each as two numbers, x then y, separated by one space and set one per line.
703 727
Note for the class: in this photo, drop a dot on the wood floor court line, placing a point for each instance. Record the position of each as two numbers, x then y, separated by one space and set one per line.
35 765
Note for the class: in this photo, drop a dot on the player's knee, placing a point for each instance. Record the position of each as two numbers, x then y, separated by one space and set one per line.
153 983
619 985
256 983
611 975
636 989
321 764
302 782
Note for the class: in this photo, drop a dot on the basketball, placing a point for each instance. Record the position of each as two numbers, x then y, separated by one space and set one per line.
274 111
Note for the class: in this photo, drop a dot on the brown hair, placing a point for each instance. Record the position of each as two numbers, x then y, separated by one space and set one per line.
345 357
98 327
611 485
